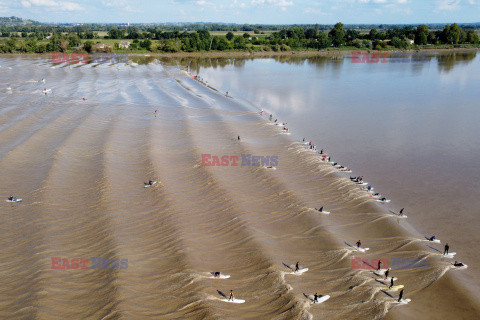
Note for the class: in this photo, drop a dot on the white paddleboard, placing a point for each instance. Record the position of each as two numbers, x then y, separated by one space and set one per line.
233 301
396 288
362 249
462 267
148 185
390 279
292 268
286 133
380 272
434 241
383 201
221 276
450 255
320 299
300 271
404 301
14 200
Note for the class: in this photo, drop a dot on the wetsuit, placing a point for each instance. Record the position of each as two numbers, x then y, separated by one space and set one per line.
400 296
446 249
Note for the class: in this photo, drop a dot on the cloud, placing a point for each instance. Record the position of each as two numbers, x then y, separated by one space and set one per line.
121 4
312 10
114 3
3 7
384 1
52 5
448 4
282 4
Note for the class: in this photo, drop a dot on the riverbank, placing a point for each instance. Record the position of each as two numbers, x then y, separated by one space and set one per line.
262 54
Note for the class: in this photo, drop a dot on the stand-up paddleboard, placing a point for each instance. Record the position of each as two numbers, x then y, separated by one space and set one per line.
383 201
226 299
320 298
323 211
233 301
396 288
14 200
404 301
149 185
286 132
221 276
361 249
390 279
460 268
269 167
380 272
362 183
434 241
292 268
449 255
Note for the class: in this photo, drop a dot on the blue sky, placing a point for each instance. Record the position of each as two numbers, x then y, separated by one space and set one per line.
245 11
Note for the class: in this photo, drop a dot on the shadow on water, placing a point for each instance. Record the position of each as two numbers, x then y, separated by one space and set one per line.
446 62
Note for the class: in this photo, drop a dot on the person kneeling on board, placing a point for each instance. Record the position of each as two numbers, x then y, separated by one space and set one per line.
10 198
458 264
432 238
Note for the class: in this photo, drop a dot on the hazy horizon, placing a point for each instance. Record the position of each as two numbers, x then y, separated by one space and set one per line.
278 12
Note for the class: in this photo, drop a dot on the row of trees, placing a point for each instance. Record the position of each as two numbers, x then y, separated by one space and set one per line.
397 37
285 39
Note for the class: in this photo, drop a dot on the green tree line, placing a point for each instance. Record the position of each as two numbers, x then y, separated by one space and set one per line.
156 39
